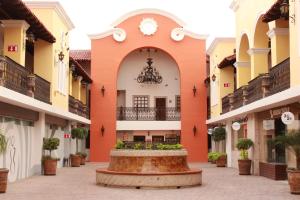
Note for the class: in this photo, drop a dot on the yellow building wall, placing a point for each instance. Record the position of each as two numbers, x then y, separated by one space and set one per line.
56 26
222 50
83 94
76 85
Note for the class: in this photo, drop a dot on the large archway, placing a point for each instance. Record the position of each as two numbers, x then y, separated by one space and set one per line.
244 62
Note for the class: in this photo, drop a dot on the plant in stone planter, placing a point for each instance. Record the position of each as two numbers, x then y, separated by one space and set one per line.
3 171
212 157
221 159
244 162
49 162
78 158
292 142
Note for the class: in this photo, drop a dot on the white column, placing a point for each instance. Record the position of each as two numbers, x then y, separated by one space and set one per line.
253 134
228 144
37 144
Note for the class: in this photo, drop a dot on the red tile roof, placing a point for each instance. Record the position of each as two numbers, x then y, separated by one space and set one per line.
80 70
80 54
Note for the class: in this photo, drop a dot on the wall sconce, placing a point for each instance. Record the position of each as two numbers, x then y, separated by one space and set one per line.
102 130
213 78
61 56
31 37
194 90
194 130
284 11
103 90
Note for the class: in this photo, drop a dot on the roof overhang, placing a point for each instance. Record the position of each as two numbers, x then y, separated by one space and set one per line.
273 13
80 71
228 61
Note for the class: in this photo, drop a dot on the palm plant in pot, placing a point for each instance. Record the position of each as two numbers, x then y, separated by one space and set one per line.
49 162
243 145
3 171
292 142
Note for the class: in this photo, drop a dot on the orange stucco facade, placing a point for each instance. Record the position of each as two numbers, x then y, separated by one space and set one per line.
107 55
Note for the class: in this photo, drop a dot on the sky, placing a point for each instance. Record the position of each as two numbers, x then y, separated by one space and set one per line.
212 17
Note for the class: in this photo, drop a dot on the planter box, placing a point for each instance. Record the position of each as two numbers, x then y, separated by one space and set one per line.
275 171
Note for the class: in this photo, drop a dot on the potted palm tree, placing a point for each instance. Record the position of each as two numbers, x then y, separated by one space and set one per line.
49 162
292 142
244 162
3 171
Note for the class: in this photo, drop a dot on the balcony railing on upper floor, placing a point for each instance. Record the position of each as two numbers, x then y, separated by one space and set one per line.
78 108
148 114
16 77
277 80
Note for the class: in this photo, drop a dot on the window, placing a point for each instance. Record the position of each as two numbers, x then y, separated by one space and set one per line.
177 102
61 82
141 101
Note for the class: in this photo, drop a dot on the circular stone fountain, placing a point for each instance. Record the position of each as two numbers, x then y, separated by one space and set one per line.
149 168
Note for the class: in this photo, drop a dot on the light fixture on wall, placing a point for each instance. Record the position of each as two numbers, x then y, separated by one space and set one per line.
194 130
285 11
102 130
213 78
61 56
30 37
103 90
194 90
149 74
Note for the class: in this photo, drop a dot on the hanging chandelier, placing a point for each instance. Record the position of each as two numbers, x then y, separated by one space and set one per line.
149 74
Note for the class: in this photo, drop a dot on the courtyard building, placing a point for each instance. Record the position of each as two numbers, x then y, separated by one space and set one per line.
42 91
254 83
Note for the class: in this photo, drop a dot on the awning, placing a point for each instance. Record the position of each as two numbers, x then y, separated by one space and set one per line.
16 9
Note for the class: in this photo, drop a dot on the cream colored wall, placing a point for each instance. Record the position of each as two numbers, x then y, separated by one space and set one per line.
76 85
83 94
48 66
222 50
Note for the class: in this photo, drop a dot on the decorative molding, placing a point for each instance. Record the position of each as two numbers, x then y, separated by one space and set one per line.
56 6
277 31
101 35
15 23
216 41
242 64
195 35
119 34
234 5
148 26
177 34
253 51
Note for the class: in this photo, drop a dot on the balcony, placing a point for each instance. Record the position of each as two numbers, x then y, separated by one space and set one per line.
16 77
277 80
148 114
78 108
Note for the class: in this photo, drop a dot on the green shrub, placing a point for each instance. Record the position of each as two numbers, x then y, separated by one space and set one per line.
169 146
149 146
3 143
50 144
213 156
243 145
138 146
79 133
219 134
120 144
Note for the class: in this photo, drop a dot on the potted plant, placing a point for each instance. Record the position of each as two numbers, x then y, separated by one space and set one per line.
48 161
82 136
219 135
77 134
292 142
3 171
244 163
221 159
212 157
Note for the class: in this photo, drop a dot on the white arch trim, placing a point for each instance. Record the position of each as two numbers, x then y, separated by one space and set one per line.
150 11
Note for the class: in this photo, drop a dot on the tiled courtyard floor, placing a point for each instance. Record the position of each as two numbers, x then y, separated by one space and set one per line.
79 184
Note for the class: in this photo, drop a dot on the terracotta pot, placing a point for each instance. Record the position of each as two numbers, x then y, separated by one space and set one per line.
75 160
3 180
221 162
50 167
244 167
294 181
82 161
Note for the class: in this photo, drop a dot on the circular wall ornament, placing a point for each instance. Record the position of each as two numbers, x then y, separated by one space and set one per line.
119 34
177 34
287 118
148 26
236 126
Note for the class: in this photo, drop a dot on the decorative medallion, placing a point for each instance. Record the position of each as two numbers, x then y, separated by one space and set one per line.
119 34
177 34
148 26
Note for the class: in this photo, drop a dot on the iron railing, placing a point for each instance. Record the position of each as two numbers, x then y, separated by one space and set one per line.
225 104
42 89
78 108
280 77
148 114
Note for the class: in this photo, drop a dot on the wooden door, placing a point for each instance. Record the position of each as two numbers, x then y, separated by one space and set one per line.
160 109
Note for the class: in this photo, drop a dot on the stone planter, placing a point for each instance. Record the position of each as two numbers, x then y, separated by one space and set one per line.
50 167
3 180
75 160
149 168
82 161
244 167
222 161
294 181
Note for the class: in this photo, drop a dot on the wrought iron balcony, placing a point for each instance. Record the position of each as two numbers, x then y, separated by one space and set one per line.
277 80
78 108
148 114
16 77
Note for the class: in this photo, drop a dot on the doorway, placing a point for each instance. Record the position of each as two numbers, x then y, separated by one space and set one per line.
280 129
139 138
160 104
